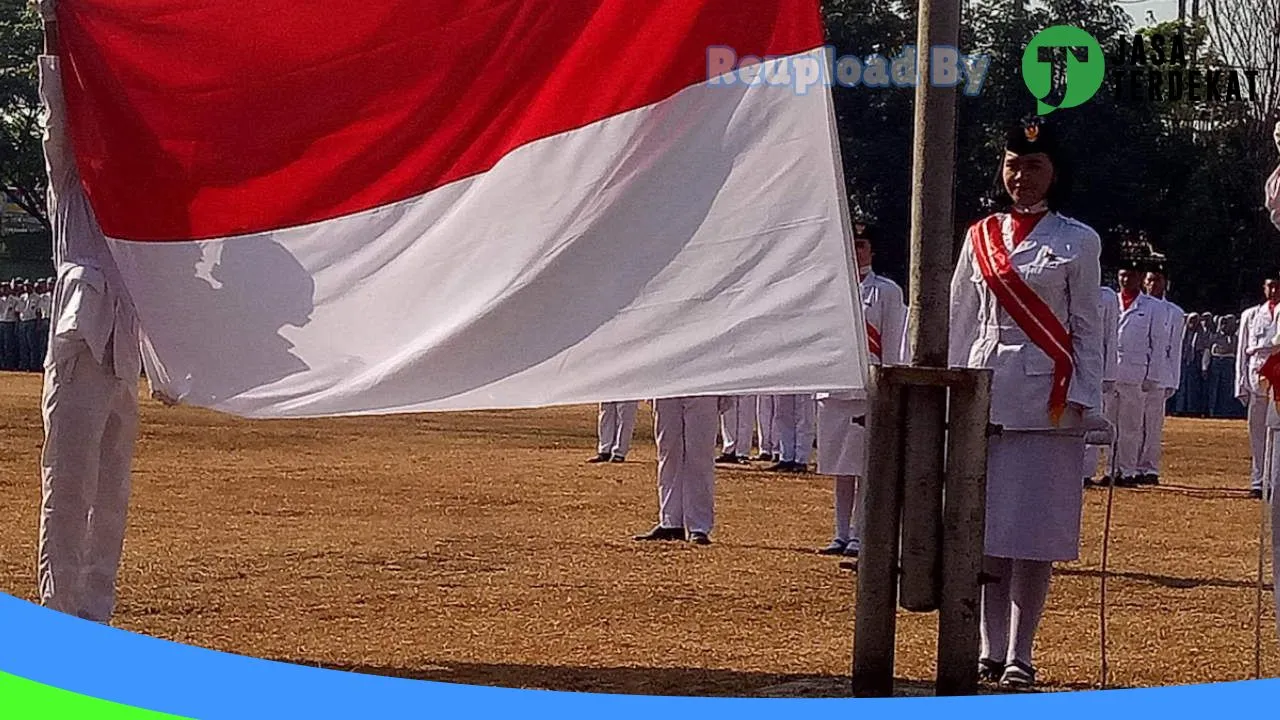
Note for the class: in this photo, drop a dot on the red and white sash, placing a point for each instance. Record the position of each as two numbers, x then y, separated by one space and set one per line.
1027 309
874 342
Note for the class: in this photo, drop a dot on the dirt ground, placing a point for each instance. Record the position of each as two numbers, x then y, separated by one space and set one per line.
479 548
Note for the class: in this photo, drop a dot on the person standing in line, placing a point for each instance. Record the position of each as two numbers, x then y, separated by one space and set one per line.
8 328
737 426
615 425
793 421
685 432
1137 370
1024 303
28 307
1109 307
1257 342
45 307
842 436
767 436
1172 323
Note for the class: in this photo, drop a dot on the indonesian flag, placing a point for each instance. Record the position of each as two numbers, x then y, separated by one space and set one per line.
330 207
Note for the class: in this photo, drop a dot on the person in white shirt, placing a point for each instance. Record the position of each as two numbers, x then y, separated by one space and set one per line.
685 431
1138 369
1170 329
615 425
90 399
1024 304
1257 341
1109 306
793 423
842 437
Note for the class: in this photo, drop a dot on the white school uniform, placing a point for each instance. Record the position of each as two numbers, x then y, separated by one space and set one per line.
1173 325
685 431
1259 327
1139 364
1034 495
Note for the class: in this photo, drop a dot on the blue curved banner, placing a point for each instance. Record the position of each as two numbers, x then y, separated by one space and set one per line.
57 651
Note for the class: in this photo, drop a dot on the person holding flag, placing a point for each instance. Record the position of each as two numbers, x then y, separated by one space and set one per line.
1024 303
842 436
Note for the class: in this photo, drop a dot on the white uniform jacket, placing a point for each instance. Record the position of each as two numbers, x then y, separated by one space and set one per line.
1140 349
1257 341
90 302
1059 261
885 311
1175 327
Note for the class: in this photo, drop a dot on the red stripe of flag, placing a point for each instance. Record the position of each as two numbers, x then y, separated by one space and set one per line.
218 118
1026 309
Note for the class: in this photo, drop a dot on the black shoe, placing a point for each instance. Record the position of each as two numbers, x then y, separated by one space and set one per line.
1018 675
601 458
835 548
660 533
1255 494
780 467
1126 482
727 459
990 670
618 459
765 457
699 538
799 468
1088 482
1146 479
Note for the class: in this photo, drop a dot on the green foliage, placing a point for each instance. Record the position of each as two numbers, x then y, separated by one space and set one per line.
22 171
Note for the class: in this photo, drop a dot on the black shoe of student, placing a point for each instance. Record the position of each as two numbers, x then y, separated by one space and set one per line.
765 457
618 459
1255 494
699 538
1149 479
1126 482
662 534
1018 675
780 467
835 548
990 670
601 458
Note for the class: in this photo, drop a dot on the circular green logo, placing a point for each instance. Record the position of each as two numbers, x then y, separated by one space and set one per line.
1082 76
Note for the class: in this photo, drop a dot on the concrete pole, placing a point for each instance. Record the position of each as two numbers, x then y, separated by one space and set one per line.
933 189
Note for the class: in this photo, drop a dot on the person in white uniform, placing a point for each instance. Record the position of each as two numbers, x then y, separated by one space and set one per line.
1024 304
1109 307
767 436
793 422
615 426
1139 352
1257 342
1171 327
737 426
8 328
91 375
685 431
1273 207
842 436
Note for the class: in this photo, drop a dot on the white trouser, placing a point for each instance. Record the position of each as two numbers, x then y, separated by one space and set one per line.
1093 453
738 424
1153 406
685 429
1130 407
1258 410
91 424
615 426
793 416
768 437
849 508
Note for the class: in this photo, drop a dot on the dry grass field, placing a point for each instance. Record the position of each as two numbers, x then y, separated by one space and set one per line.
479 548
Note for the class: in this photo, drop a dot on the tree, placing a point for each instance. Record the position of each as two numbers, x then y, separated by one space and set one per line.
22 171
